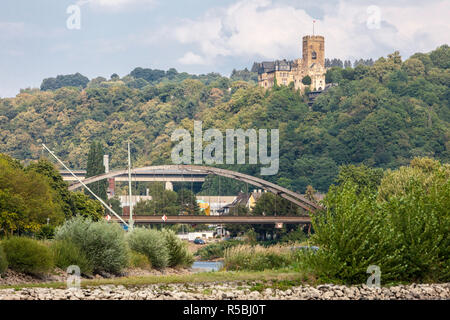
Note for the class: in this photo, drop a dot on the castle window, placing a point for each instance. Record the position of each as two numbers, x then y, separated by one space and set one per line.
314 55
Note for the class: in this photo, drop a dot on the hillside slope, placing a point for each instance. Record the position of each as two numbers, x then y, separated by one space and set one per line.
382 116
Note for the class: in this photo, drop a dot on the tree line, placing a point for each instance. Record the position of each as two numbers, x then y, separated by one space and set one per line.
380 116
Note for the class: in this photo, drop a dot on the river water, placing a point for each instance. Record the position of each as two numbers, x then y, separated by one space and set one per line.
206 266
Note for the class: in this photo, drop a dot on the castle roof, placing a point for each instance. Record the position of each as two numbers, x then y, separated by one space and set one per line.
271 66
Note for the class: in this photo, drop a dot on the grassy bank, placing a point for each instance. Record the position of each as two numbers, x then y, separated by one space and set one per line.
221 276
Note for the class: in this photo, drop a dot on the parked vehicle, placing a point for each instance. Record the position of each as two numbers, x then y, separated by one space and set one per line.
199 241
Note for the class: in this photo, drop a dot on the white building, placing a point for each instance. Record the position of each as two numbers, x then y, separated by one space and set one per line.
191 236
216 202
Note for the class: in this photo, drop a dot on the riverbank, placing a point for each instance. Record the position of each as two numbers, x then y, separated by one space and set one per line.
255 290
58 276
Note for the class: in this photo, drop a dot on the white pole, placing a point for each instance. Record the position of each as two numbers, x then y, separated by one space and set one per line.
129 187
87 188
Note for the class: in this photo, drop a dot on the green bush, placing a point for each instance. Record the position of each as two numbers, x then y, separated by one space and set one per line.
403 227
139 260
103 243
352 234
179 254
3 260
151 243
47 232
296 236
416 202
28 255
67 253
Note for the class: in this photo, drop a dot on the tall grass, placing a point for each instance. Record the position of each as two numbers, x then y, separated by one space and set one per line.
139 260
216 250
259 258
67 253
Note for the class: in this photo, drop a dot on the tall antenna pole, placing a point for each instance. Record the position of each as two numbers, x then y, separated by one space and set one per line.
314 22
129 187
81 182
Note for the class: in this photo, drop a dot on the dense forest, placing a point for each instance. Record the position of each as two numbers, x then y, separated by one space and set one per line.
379 115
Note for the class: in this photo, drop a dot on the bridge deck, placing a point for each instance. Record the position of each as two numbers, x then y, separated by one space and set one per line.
219 219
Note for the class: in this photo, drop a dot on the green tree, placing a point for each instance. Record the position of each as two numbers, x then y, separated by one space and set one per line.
164 202
306 80
414 67
95 167
26 199
415 199
87 207
188 202
352 234
362 176
48 170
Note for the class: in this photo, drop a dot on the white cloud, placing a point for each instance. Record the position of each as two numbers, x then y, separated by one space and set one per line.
11 29
266 30
192 58
118 4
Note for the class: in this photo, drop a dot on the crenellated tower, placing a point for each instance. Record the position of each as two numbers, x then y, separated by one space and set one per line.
313 51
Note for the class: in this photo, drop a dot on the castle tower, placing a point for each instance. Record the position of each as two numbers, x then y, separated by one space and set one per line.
313 51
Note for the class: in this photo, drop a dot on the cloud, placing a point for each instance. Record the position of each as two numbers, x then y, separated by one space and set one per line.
266 30
11 29
115 5
192 58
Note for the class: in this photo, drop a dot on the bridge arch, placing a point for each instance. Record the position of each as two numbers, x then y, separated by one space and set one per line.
287 194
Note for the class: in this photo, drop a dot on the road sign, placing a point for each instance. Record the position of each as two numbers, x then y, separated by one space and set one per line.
279 225
164 218
108 217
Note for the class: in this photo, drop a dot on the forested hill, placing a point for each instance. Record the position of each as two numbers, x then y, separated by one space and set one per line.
381 115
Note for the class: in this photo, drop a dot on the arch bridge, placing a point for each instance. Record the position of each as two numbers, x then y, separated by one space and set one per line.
188 170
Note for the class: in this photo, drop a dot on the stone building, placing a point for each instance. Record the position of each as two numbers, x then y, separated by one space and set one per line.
311 64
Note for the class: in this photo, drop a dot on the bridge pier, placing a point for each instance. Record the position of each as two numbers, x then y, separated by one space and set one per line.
169 185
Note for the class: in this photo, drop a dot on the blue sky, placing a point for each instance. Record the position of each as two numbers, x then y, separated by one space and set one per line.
201 36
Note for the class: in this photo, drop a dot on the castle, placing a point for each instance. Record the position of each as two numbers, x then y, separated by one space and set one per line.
284 72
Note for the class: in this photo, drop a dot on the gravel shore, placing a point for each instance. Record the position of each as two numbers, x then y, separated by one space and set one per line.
233 291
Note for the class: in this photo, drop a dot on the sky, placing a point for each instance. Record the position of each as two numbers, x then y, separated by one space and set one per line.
45 38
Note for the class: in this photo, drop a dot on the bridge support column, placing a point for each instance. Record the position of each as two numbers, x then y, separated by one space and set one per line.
111 191
169 185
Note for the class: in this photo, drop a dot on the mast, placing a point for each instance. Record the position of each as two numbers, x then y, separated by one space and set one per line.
84 185
129 188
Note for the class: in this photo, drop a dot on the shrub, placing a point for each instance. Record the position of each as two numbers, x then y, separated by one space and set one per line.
103 243
179 255
403 227
352 234
3 260
67 253
28 255
258 258
47 232
417 209
139 260
152 244
295 236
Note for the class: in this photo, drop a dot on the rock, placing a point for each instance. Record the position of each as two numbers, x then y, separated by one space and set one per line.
328 295
268 292
254 295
